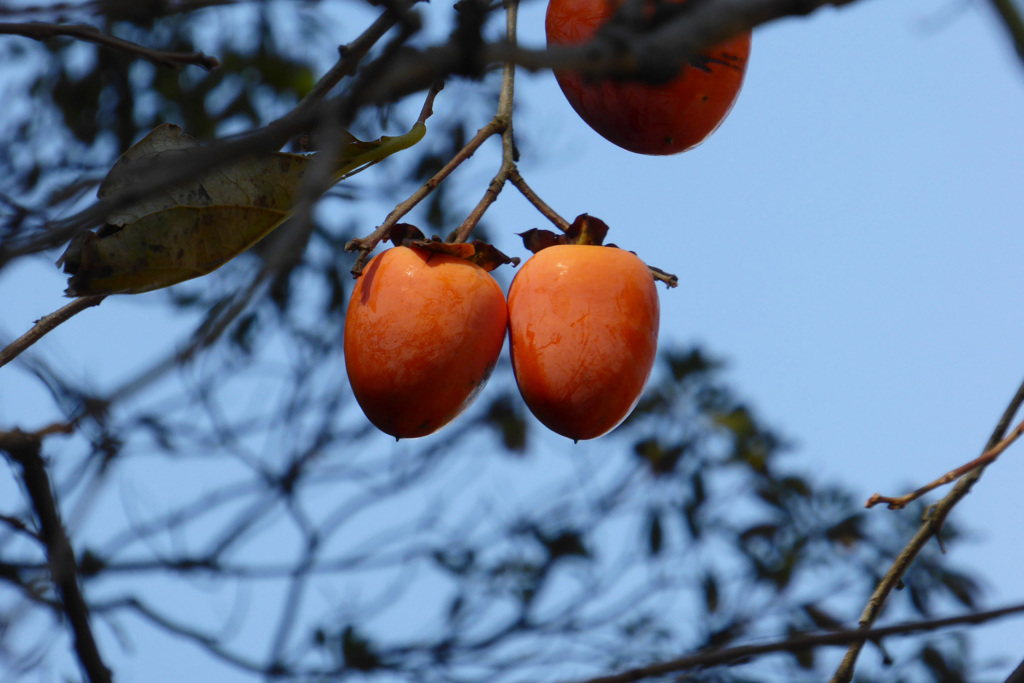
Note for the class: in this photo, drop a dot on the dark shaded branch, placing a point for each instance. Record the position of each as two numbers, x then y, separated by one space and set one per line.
173 60
613 53
352 54
801 643
206 641
23 448
151 9
397 74
1014 23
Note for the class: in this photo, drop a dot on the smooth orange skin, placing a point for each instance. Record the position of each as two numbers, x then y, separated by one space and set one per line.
422 334
583 333
643 118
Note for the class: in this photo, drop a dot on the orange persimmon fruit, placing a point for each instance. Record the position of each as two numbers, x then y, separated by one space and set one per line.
646 118
583 332
422 333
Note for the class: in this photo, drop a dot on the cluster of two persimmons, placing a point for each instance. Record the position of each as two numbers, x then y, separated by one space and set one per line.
424 329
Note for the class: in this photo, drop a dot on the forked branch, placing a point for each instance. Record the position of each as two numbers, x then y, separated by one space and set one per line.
931 527
900 502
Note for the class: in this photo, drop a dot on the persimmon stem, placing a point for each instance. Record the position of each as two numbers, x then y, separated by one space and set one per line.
501 125
504 119
365 245
660 275
900 502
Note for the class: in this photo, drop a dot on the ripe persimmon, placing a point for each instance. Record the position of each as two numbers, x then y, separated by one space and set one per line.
422 333
583 331
645 118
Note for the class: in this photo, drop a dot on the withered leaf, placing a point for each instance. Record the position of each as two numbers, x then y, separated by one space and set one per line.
488 257
194 227
584 230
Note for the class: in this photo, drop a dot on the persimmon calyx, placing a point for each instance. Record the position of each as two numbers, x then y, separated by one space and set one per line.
485 255
585 230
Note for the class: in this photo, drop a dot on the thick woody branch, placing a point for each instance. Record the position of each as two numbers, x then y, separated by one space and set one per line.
23 448
616 52
414 70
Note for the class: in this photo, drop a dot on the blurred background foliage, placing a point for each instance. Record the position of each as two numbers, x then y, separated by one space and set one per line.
239 473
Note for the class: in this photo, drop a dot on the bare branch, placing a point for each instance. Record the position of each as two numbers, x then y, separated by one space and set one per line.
173 60
1014 23
23 448
352 54
367 244
900 502
802 643
47 324
931 527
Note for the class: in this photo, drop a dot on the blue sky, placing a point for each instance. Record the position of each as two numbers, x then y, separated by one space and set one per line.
848 241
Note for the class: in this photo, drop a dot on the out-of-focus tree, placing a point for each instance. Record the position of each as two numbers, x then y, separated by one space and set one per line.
229 499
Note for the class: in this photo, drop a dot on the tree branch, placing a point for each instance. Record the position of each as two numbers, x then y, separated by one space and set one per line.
174 60
802 642
503 122
367 244
697 26
23 448
931 526
47 324
900 502
1011 17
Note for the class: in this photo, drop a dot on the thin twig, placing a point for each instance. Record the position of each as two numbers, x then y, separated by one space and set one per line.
801 643
23 448
46 324
930 528
38 30
900 502
351 55
152 10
